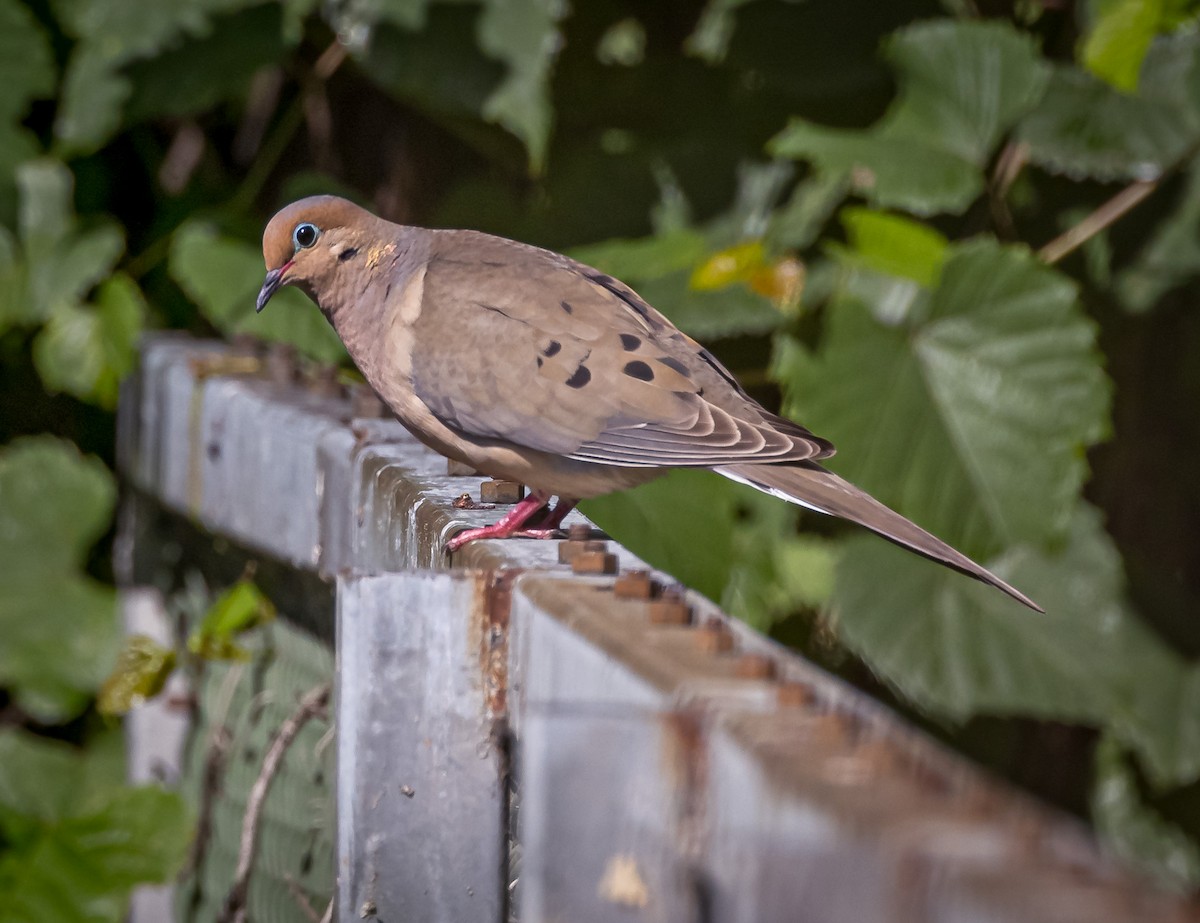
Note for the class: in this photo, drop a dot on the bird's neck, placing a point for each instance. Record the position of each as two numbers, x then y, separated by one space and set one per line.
358 306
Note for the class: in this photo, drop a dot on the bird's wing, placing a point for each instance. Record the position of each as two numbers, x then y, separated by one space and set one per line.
522 345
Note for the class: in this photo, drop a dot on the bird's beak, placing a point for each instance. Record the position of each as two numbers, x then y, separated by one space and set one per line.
270 285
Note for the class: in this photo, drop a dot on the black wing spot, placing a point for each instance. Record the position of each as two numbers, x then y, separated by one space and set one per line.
566 306
348 254
581 377
672 363
639 370
630 342
552 349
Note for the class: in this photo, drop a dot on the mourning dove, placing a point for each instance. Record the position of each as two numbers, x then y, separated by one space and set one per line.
532 367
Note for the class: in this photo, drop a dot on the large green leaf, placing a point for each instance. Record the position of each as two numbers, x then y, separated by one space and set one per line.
59 627
222 276
27 73
75 849
524 35
959 648
1133 830
1086 128
436 71
972 419
112 34
83 349
87 350
1162 722
927 153
1119 38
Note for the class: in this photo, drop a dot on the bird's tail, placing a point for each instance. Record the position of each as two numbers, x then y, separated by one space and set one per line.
812 486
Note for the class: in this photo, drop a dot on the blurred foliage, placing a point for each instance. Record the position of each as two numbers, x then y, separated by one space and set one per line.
842 199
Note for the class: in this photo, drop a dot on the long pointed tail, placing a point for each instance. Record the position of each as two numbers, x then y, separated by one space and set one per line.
810 485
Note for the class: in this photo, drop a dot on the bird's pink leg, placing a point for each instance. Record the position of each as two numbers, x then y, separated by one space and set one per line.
547 525
510 524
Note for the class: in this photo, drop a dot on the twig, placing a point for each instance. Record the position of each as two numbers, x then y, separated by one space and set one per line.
327 917
312 704
297 892
1091 225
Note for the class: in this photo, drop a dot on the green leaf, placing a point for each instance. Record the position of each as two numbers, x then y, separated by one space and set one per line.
39 778
27 72
623 44
646 257
775 572
142 669
1162 722
1119 38
59 627
239 609
223 275
86 351
195 76
74 852
60 264
1133 830
54 504
797 224
111 34
927 153
524 35
959 648
895 245
681 523
1085 128
946 417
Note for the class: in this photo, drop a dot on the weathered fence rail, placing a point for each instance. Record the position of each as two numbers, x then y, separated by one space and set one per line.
514 741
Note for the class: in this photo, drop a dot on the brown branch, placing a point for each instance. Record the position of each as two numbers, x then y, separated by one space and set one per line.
1091 225
312 704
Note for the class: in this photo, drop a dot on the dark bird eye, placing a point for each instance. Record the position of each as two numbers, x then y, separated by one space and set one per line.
305 235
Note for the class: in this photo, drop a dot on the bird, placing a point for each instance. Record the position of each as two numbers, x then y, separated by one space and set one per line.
533 367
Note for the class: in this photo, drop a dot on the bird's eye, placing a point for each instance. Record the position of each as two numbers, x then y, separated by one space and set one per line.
305 235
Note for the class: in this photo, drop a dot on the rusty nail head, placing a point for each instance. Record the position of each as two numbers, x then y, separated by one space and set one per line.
594 562
569 549
714 639
495 491
754 666
636 584
670 608
792 694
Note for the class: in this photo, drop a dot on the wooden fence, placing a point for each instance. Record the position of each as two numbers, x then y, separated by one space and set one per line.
514 740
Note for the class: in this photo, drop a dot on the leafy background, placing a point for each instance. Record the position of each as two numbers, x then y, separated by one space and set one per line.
958 239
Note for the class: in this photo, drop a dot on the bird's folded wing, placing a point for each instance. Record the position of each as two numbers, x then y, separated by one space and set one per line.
517 344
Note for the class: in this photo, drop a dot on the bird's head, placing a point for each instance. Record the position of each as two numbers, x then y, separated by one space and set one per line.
306 242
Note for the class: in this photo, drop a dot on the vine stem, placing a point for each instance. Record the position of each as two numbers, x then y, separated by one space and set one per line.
312 704
1091 225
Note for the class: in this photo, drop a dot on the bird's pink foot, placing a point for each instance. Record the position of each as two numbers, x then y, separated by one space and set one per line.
508 525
